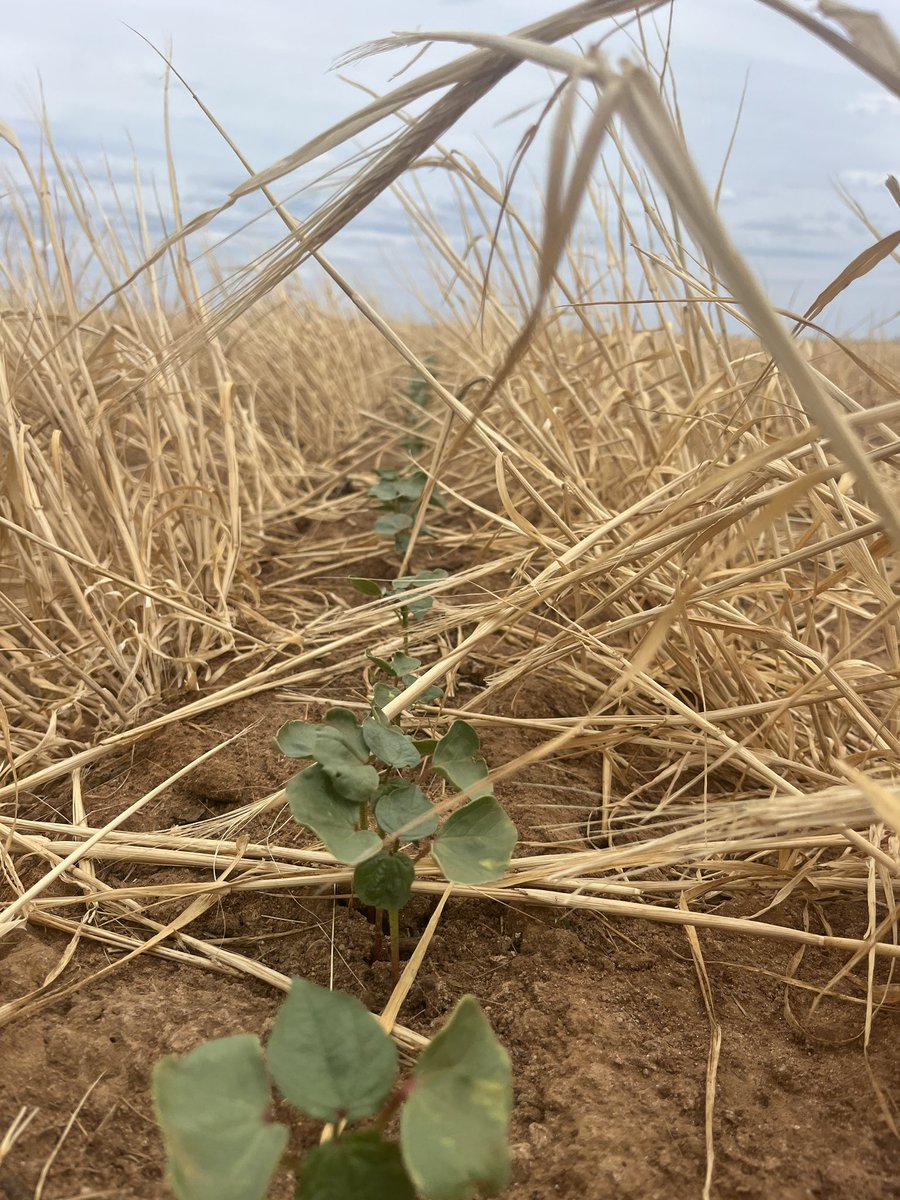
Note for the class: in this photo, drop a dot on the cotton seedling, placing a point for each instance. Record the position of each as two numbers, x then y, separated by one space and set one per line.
331 1059
400 671
413 609
355 797
399 495
418 393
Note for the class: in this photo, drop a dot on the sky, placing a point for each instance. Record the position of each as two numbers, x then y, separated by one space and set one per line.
811 122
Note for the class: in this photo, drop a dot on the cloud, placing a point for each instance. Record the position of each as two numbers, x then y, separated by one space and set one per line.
796 252
800 224
863 178
875 104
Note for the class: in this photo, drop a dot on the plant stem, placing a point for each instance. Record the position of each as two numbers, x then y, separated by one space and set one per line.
363 815
394 1102
394 922
377 938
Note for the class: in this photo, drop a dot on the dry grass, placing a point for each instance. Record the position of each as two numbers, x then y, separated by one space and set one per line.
686 534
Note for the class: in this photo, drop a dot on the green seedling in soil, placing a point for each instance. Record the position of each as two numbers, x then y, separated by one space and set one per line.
330 1058
400 669
399 494
413 609
418 392
357 800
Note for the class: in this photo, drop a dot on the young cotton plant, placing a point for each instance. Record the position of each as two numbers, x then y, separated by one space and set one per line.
401 667
399 490
356 799
399 494
418 392
331 1059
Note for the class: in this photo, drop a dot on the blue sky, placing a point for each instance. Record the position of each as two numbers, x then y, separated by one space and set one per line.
811 121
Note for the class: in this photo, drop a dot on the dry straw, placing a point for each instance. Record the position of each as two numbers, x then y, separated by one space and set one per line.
686 538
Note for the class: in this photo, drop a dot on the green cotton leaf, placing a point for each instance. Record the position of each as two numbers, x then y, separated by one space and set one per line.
418 607
404 487
210 1106
454 1127
416 484
384 881
385 489
368 587
359 1166
390 744
397 803
341 750
351 780
454 759
431 693
426 746
339 747
381 663
333 819
297 739
339 743
390 524
329 1056
383 694
402 664
475 843
343 724
408 488
437 498
387 472
421 579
